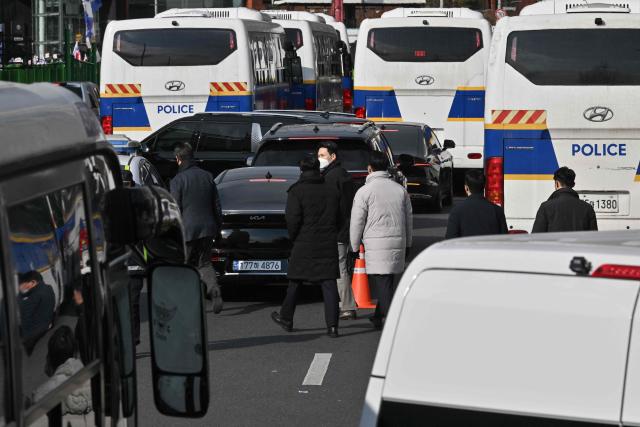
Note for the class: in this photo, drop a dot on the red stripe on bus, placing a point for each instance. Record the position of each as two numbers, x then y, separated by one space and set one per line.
535 116
503 115
229 87
519 115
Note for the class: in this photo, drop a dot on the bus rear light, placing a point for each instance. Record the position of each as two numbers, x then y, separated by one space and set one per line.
494 173
616 271
474 156
347 100
107 125
309 104
361 112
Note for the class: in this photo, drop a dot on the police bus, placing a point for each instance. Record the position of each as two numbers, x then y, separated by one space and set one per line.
426 65
315 43
187 61
564 90
346 62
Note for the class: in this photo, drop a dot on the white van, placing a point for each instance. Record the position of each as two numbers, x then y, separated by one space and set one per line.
428 66
188 61
563 89
520 330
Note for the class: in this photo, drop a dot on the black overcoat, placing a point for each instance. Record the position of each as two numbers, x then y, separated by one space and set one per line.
564 211
476 216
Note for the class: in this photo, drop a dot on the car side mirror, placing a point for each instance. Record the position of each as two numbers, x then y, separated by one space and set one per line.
448 144
256 136
178 331
250 161
147 214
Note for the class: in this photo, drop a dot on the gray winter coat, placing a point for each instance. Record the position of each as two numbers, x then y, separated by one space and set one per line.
381 219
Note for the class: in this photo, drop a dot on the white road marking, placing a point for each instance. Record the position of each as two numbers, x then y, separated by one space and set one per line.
317 370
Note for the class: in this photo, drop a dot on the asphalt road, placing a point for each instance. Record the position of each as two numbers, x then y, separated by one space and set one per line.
257 370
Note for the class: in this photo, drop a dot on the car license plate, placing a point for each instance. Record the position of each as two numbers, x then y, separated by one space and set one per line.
257 265
602 202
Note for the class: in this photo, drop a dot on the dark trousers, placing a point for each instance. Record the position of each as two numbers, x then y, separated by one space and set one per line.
383 284
329 295
199 256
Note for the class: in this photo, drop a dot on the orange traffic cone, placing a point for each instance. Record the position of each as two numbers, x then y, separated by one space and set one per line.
360 283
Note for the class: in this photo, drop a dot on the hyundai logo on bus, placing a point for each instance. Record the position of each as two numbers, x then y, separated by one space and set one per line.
598 114
174 85
425 80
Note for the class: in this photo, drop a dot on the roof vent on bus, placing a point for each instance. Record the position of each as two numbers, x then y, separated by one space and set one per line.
452 12
558 7
223 12
597 7
286 15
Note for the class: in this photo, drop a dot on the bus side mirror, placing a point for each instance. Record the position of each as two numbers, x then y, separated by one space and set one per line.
448 144
293 70
178 331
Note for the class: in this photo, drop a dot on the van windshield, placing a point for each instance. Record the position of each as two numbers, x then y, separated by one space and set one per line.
174 47
416 44
353 154
576 57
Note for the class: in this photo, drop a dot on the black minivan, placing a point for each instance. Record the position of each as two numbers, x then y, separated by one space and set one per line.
67 230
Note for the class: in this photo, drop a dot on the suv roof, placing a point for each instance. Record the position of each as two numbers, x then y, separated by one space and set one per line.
43 118
320 130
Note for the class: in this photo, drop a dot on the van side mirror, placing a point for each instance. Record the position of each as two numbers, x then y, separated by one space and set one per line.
178 331
448 144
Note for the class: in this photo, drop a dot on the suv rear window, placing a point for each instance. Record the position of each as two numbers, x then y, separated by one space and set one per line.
353 153
576 57
174 47
417 44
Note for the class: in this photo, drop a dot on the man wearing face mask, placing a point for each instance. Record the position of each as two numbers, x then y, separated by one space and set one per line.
338 177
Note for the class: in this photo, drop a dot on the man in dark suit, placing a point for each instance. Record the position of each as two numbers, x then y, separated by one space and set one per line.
312 214
564 211
475 216
197 196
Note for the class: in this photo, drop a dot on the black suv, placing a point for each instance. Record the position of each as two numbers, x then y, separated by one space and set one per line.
223 140
287 145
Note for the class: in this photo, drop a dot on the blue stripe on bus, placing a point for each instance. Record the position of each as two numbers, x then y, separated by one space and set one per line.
229 103
378 103
296 97
347 82
525 151
310 91
467 104
127 112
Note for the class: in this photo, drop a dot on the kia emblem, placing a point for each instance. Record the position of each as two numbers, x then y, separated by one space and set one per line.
425 80
598 114
174 85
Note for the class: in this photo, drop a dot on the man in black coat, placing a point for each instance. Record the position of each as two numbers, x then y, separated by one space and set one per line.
312 215
338 177
475 216
37 304
197 196
564 211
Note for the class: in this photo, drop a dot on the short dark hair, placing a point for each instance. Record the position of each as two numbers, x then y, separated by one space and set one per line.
565 176
183 151
475 180
29 276
378 161
61 346
310 163
331 147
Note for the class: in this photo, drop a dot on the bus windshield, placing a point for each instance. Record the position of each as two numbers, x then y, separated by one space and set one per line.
417 44
174 47
576 57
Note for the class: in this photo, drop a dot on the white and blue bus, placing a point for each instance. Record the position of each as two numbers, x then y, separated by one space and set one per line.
563 89
346 61
316 45
428 66
187 61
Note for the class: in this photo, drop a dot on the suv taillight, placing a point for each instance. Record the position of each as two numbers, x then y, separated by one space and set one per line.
309 104
347 100
107 125
614 271
361 112
494 171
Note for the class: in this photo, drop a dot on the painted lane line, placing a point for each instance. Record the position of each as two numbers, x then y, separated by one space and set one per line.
317 370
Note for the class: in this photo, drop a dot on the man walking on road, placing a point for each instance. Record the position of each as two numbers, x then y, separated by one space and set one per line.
197 196
381 219
475 216
564 211
337 176
312 215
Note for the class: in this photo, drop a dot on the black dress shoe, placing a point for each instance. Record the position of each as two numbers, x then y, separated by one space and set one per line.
284 324
348 315
376 322
332 331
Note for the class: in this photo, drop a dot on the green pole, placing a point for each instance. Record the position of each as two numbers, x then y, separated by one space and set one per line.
67 56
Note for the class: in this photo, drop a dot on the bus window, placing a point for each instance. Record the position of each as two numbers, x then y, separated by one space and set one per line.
162 47
417 44
295 36
557 57
51 252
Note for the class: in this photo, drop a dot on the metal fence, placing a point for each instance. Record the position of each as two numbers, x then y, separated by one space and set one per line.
68 70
